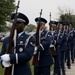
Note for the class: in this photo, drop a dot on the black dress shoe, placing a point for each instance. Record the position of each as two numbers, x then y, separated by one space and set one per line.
54 74
64 74
72 62
69 67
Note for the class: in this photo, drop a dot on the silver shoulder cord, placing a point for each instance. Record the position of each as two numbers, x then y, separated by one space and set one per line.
69 34
58 35
27 40
47 34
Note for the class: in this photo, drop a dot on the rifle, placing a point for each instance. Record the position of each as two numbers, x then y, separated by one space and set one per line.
52 47
35 58
50 22
8 70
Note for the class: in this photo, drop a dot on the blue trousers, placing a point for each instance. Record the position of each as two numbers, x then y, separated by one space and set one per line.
42 70
56 65
62 59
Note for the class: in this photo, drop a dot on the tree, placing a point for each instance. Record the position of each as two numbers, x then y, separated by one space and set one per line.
6 9
30 28
66 16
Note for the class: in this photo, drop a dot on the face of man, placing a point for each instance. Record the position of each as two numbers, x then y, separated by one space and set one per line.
70 26
60 27
19 26
42 26
65 27
54 27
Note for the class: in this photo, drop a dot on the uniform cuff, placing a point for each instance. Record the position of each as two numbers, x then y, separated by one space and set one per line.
12 58
16 58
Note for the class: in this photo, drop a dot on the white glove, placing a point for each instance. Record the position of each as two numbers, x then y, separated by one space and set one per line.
5 58
35 50
6 64
51 45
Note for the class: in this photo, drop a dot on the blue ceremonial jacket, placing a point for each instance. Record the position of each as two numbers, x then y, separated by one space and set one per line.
24 51
45 57
70 39
61 42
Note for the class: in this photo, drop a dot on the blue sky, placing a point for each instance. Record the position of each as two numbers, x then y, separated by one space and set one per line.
32 8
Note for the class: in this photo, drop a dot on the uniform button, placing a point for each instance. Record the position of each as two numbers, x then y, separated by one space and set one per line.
21 49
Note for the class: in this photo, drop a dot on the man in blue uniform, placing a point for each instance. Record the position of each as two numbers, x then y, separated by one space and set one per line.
67 54
69 47
61 41
56 53
72 41
24 48
44 59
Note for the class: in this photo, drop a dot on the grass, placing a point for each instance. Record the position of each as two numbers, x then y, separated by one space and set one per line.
1 69
31 66
0 45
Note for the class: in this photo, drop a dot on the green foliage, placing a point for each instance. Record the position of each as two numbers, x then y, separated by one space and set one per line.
0 45
67 16
6 9
30 28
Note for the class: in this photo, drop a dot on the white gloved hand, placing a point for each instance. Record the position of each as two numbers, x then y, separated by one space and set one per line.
5 58
6 64
51 45
35 50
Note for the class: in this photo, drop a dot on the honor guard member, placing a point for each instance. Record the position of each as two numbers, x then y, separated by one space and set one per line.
72 41
53 32
65 27
56 51
24 48
45 59
61 46
67 54
70 47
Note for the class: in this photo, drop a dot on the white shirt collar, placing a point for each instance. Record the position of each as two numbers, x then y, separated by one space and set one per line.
52 32
41 31
20 34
